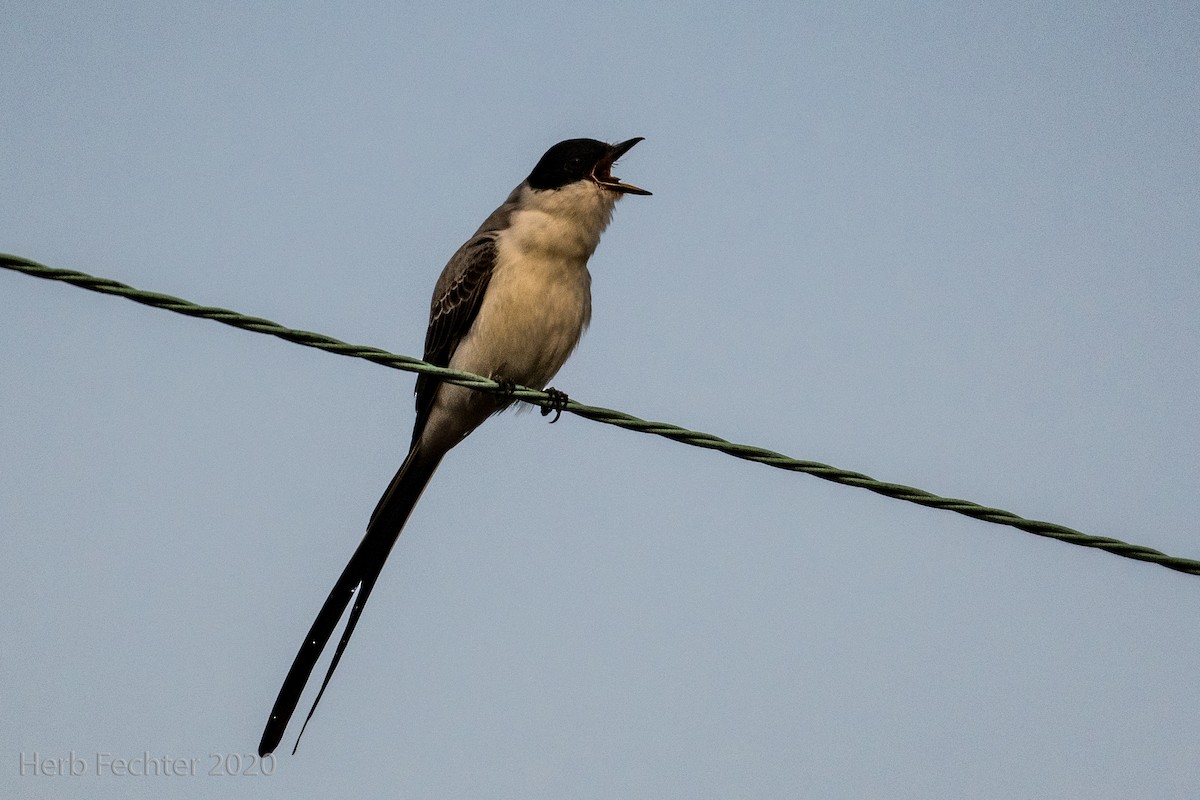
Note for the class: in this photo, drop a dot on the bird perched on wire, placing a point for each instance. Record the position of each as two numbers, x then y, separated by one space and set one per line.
511 304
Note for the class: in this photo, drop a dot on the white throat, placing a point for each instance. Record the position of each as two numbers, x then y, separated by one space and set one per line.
563 223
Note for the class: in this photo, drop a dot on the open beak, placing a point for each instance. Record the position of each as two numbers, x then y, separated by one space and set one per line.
602 172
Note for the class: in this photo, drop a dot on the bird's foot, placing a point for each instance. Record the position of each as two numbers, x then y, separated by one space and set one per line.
558 401
507 388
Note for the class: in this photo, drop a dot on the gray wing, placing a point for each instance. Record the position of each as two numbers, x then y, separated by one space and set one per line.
456 301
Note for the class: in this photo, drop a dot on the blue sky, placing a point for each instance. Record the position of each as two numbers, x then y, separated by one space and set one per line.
954 247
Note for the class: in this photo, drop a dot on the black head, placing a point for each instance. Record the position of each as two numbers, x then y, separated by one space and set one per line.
582 159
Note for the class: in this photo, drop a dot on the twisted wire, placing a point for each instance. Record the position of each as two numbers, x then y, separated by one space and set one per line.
606 415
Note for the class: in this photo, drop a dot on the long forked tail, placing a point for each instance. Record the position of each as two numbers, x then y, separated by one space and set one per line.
355 583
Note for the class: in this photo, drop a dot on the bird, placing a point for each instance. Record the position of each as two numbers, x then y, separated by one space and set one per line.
511 304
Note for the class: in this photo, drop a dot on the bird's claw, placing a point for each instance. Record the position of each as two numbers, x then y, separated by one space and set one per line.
507 388
558 401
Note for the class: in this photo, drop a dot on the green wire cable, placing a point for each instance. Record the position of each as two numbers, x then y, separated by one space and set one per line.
605 415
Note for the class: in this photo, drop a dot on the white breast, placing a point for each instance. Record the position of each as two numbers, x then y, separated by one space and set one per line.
538 301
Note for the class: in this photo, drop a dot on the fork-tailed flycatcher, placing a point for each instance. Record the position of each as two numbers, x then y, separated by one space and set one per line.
511 305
